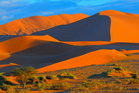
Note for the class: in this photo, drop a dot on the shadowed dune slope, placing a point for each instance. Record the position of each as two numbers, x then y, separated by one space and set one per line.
94 28
38 23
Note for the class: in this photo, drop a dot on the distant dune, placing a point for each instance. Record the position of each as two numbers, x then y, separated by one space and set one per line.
33 24
70 40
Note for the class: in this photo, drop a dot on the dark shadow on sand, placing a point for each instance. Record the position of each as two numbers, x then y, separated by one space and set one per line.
94 28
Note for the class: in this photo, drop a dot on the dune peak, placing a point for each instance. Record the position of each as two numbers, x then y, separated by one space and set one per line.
33 24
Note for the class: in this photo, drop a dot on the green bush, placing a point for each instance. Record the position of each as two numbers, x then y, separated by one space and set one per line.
52 77
61 86
2 73
23 74
42 78
66 75
121 68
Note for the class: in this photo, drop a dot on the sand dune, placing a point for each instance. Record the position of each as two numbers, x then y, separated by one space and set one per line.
110 25
93 40
38 23
88 29
43 51
50 53
23 42
92 58
124 26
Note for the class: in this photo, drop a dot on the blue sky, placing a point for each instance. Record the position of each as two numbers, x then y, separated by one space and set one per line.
16 9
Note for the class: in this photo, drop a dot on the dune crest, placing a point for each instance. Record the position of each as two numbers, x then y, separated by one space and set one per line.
124 26
23 42
38 23
6 65
96 57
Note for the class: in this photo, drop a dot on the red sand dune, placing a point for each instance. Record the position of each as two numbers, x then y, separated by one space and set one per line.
40 51
92 58
38 23
17 44
90 40
23 42
110 25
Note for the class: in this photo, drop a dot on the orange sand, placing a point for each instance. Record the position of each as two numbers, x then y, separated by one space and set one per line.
38 23
6 65
124 26
92 58
129 51
23 42
12 79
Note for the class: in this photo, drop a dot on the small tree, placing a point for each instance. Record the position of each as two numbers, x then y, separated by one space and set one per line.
23 74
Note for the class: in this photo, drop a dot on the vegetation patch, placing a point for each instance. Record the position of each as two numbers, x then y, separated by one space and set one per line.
66 75
115 72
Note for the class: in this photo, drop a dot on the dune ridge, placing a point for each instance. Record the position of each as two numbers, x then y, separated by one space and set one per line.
38 23
93 58
23 42
93 40
5 65
109 25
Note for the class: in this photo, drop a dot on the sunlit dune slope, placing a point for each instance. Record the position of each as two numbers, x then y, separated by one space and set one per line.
124 26
5 65
92 58
23 42
38 23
